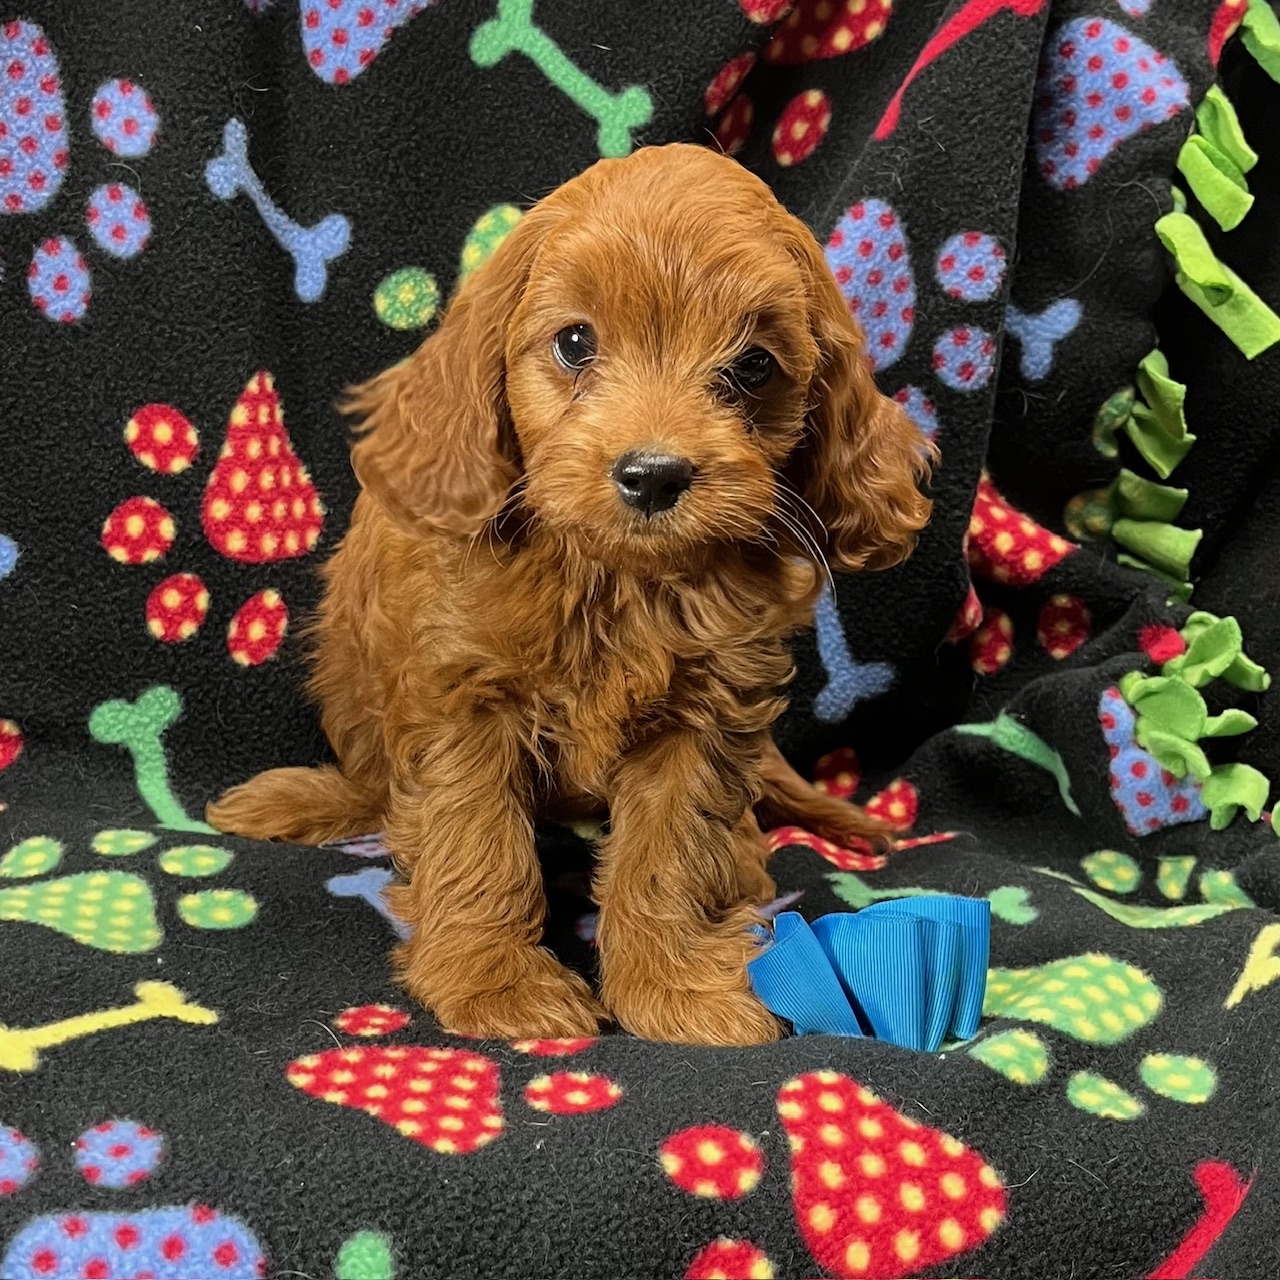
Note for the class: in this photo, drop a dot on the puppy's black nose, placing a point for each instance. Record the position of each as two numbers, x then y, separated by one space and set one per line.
652 482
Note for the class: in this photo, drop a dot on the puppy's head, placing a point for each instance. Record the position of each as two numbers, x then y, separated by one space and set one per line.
654 363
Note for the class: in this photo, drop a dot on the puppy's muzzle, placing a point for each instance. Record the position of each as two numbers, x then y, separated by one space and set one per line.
652 482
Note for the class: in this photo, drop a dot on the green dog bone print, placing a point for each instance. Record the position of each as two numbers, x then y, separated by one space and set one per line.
1118 873
1010 903
139 728
116 910
514 31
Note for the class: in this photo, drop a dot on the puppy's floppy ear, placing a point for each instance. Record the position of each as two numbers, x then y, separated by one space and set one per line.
436 448
863 460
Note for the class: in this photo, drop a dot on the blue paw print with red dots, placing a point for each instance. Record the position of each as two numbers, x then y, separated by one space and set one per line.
1097 86
971 266
867 254
35 140
342 37
920 409
170 1242
964 358
1146 793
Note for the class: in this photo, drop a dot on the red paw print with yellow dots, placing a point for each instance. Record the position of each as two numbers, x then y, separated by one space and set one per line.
260 507
445 1099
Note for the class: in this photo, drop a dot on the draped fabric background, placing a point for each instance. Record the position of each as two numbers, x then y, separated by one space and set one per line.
214 215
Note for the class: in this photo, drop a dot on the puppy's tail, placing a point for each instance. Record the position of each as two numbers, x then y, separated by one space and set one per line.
787 799
304 806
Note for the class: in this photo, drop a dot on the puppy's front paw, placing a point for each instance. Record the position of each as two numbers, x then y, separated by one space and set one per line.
539 999
714 1018
694 990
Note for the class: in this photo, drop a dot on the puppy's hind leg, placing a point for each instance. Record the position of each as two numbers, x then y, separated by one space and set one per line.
305 806
787 799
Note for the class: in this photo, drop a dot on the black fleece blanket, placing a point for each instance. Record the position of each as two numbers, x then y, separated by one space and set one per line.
215 214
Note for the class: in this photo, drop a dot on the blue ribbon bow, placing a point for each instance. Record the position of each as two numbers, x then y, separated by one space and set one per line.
906 971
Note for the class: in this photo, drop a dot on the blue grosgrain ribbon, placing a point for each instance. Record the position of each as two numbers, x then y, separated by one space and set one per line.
908 971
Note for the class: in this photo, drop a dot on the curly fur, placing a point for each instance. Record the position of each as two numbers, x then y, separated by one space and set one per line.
501 637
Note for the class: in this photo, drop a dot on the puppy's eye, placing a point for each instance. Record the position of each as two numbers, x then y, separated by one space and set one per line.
750 371
575 347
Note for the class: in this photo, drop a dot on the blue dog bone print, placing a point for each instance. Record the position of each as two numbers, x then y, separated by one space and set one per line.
369 884
8 556
848 682
312 248
1039 334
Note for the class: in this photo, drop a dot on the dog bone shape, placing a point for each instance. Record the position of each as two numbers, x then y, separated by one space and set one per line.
139 728
514 31
312 248
369 884
1039 334
848 682
20 1046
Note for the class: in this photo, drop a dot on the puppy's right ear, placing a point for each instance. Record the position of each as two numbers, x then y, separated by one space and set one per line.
436 448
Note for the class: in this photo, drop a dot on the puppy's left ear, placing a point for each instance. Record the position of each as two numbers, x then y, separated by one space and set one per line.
863 460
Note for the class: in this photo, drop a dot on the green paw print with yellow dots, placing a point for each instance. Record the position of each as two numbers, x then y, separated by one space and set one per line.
113 910
1095 999
1118 873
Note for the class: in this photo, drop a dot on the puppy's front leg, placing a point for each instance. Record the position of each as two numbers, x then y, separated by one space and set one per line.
673 927
462 831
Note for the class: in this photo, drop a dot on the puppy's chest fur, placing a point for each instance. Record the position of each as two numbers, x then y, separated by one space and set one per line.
592 667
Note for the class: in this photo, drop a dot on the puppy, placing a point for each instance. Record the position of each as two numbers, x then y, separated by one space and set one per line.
594 506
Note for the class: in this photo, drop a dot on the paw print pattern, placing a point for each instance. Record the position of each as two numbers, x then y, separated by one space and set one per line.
34 158
445 1099
726 82
166 1243
1063 625
877 1193
1097 86
712 1162
964 358
1098 1000
571 1093
118 221
867 254
449 1100
371 1020
1147 794
116 910
260 506
34 149
58 280
124 120
1113 873
724 1258
1005 545
920 409
19 1160
801 127
816 29
971 266
342 37
118 1153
